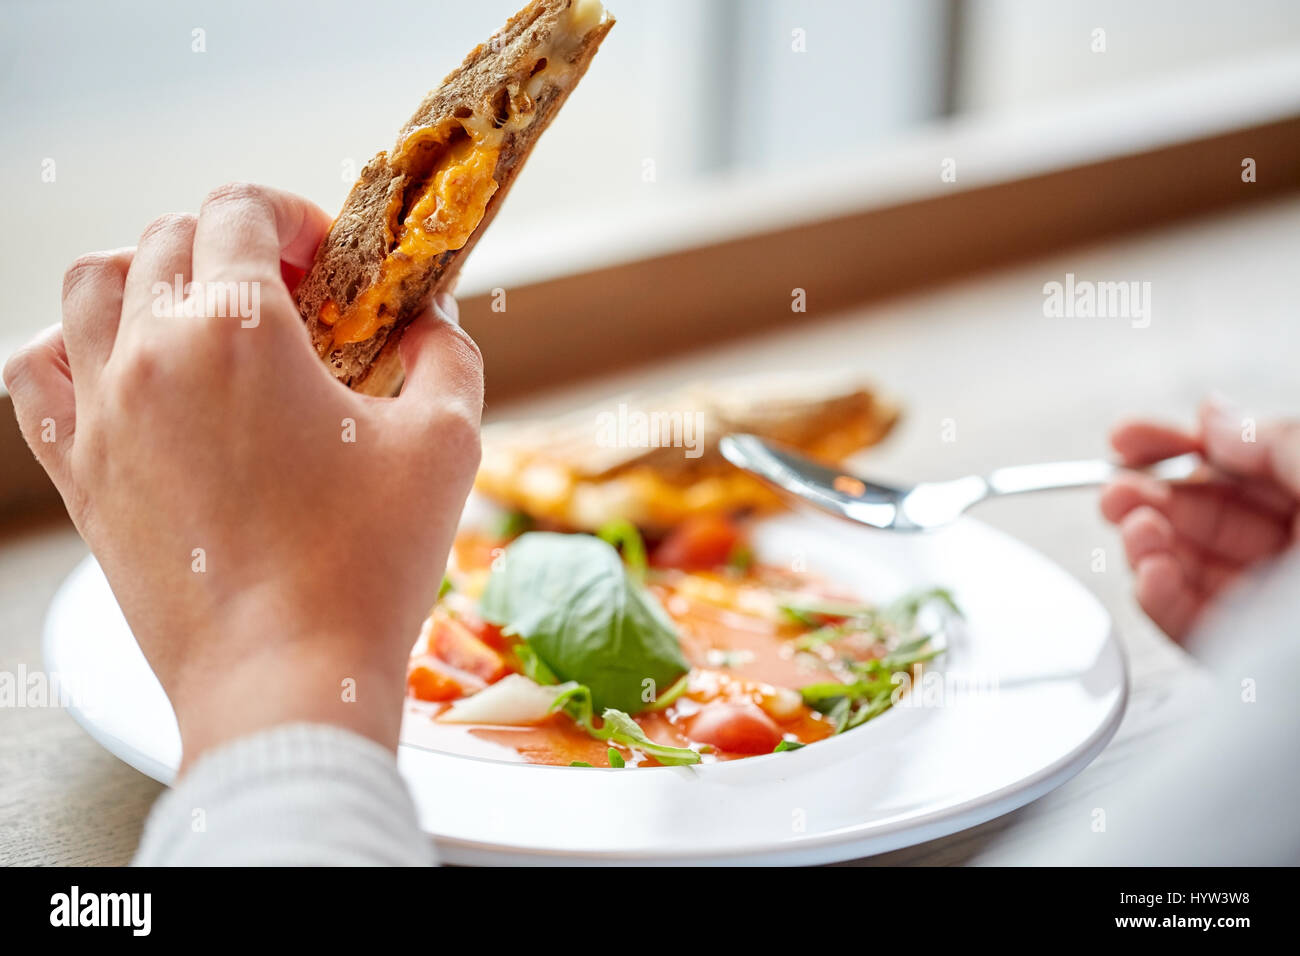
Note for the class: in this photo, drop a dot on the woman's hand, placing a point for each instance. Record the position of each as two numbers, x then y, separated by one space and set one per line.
273 538
1186 542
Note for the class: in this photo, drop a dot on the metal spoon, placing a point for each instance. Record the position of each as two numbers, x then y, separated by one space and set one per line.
924 506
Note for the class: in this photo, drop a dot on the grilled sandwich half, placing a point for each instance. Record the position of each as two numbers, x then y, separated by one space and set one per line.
416 211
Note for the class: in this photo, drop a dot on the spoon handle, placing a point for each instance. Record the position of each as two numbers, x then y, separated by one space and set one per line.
1017 479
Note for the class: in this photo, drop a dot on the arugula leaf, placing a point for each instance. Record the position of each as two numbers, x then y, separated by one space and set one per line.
534 667
626 537
909 606
741 558
851 704
873 708
579 763
615 758
828 690
671 694
813 611
618 727
827 634
575 700
908 647
867 687
898 661
624 730
839 713
570 598
788 745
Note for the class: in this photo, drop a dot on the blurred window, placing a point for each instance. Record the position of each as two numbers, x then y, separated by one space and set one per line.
114 113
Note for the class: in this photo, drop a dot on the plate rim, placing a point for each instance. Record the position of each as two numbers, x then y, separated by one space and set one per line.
827 847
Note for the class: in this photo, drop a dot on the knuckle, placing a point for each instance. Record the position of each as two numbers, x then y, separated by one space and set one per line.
165 225
19 367
226 282
458 430
139 373
85 268
235 192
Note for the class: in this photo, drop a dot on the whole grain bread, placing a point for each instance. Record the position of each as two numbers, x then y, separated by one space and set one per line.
489 84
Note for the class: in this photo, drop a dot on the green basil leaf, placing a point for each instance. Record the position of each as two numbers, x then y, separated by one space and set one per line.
571 599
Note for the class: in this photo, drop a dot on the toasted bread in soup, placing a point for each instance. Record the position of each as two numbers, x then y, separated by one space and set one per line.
416 212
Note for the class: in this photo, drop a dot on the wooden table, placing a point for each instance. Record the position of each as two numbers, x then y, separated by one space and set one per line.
1017 387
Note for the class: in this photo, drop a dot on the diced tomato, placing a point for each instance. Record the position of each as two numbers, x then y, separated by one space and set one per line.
489 634
737 728
459 606
454 643
699 543
429 680
475 552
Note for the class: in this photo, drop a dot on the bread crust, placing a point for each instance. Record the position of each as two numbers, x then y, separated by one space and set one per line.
349 259
562 474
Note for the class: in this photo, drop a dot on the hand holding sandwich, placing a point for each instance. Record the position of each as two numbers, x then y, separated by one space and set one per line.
273 538
273 524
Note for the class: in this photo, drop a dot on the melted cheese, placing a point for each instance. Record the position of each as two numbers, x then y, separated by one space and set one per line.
455 198
550 492
442 218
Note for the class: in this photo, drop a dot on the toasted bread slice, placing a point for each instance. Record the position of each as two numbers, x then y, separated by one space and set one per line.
416 212
654 460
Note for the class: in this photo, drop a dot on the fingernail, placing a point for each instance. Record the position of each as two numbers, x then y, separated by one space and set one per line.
448 310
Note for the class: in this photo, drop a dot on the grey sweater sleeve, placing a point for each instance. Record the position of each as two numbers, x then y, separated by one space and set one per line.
296 795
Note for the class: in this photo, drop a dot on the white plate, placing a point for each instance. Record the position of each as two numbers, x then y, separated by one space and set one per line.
1044 689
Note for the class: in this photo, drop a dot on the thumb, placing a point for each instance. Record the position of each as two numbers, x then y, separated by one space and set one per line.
1236 443
441 362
